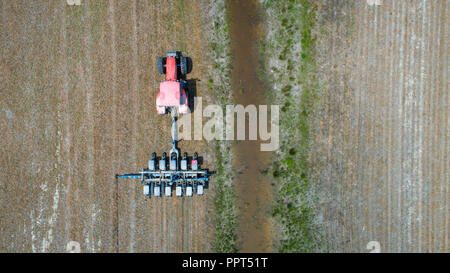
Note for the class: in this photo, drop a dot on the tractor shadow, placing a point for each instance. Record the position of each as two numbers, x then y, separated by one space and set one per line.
191 86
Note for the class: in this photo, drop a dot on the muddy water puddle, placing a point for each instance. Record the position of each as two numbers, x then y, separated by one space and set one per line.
253 189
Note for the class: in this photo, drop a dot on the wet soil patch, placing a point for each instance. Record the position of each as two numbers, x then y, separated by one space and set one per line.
252 188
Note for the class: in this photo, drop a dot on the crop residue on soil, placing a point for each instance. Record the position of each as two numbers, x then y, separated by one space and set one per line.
253 189
78 106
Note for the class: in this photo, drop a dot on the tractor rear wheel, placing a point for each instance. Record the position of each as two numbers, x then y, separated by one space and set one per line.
184 66
162 65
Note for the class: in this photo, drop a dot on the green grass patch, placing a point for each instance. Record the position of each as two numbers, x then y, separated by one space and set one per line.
219 84
225 199
289 47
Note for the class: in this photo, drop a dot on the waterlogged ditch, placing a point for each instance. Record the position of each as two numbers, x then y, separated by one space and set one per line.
252 186
271 50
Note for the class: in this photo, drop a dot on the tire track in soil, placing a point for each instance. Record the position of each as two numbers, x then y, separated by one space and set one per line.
445 113
114 191
421 125
70 188
126 122
134 86
428 204
66 135
389 132
423 171
146 34
142 218
85 75
415 152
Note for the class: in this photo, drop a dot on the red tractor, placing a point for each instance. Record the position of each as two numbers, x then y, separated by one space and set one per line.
173 96
183 173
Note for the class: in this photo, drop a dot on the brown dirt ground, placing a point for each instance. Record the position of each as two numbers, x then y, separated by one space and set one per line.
381 141
77 107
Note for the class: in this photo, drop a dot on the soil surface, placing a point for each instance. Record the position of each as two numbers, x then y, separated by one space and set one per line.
77 106
252 187
381 142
